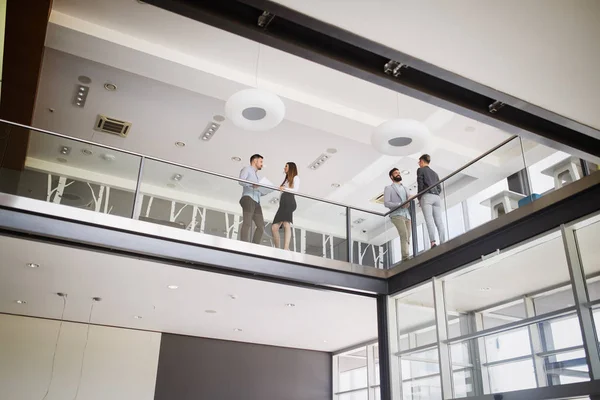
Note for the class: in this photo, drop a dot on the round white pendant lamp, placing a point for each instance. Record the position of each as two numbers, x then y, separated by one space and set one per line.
255 110
400 137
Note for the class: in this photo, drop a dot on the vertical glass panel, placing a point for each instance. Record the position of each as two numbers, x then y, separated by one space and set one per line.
416 318
528 280
551 169
352 369
421 389
199 202
75 174
569 367
587 233
512 376
489 191
562 333
507 345
358 395
372 237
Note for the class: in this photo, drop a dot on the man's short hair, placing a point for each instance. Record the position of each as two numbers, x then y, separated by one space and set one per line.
254 157
392 171
426 158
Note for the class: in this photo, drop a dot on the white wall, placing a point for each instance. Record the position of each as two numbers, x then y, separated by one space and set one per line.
119 363
545 52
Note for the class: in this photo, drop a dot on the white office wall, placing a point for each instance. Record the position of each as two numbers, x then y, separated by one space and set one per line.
545 52
120 364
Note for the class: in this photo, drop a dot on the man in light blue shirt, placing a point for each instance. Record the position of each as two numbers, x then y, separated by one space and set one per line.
250 201
393 196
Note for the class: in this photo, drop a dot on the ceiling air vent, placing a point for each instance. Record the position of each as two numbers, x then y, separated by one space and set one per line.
378 199
113 126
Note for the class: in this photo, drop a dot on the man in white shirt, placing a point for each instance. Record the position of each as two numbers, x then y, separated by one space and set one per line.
250 201
394 195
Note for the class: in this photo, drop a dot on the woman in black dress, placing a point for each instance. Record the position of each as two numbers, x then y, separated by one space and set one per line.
287 206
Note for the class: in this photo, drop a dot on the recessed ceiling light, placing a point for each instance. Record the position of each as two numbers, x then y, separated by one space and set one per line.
111 87
97 299
219 118
137 316
177 177
61 160
173 287
236 159
233 296
470 129
20 302
324 341
180 144
171 185
405 172
87 152
86 80
485 289
290 305
51 110
33 265
210 311
238 330
332 151
335 185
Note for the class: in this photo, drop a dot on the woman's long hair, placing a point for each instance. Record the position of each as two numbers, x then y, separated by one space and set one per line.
292 172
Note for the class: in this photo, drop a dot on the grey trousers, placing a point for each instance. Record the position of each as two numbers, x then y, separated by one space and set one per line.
252 212
431 204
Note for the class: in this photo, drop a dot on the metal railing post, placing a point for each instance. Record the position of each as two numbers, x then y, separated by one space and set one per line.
137 197
349 234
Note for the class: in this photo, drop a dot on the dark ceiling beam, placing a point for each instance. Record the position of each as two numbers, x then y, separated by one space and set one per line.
25 33
333 47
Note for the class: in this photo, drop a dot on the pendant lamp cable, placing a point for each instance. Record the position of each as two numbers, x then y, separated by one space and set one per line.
62 318
87 337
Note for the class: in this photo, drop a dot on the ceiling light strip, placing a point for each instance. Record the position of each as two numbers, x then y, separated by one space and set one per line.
319 161
209 131
81 93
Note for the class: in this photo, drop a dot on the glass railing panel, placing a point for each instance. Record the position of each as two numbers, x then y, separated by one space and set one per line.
214 205
72 173
551 169
471 200
376 241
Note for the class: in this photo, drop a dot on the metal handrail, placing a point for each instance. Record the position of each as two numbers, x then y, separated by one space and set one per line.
467 165
346 206
147 157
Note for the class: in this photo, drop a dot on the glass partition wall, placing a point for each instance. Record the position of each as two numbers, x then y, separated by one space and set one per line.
520 318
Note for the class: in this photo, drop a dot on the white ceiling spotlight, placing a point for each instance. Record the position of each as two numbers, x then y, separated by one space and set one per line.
255 110
111 87
177 177
173 287
33 265
400 137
